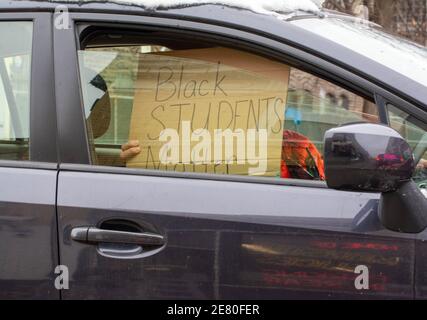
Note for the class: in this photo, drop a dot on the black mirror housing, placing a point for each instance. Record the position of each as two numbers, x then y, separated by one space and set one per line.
367 157
371 157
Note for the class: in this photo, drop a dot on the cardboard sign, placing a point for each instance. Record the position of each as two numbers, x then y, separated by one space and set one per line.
198 92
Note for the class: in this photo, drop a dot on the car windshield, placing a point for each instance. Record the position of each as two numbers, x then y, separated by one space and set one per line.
400 55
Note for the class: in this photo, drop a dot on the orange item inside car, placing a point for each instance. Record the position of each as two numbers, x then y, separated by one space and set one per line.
300 158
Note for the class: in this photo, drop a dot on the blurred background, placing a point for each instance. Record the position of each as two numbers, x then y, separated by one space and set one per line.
407 18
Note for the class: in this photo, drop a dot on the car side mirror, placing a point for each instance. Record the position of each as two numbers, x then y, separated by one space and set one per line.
375 158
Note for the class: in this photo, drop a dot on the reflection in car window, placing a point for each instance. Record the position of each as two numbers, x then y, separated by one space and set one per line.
231 111
15 67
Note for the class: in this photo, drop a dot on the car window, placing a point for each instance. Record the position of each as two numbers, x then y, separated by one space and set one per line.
315 105
415 133
15 70
210 110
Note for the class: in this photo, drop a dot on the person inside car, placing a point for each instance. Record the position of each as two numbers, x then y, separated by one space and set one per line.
300 157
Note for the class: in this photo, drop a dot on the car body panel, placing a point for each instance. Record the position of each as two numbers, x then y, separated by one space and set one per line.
230 240
28 234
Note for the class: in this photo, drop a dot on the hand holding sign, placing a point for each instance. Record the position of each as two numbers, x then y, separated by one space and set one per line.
130 150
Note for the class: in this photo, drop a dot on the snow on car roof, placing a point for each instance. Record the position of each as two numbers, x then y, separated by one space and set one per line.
264 6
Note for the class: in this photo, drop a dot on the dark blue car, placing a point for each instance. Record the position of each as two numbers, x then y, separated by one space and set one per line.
209 151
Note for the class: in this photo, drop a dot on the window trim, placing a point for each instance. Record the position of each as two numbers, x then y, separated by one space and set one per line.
28 165
191 175
280 51
42 142
382 109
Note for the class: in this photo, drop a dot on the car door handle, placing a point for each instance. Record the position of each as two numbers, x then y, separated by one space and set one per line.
96 235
